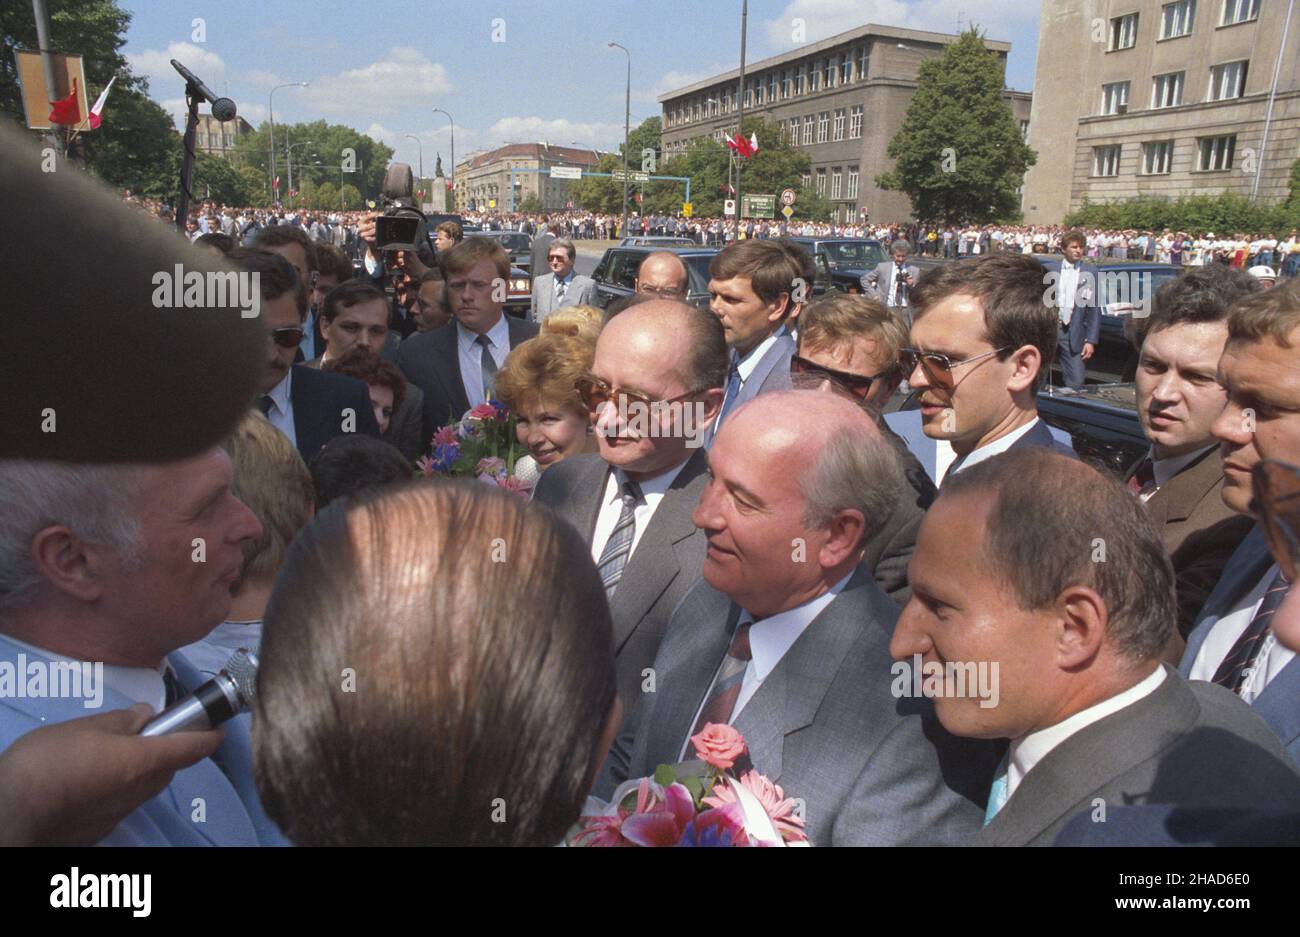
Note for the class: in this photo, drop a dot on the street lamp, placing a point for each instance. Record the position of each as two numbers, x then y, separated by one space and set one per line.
421 146
289 157
452 204
270 102
627 120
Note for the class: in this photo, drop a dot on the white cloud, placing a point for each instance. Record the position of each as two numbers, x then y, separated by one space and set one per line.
997 19
559 131
678 78
404 78
155 64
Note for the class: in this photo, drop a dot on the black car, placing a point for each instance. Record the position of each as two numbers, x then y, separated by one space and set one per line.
847 259
516 243
1102 421
615 275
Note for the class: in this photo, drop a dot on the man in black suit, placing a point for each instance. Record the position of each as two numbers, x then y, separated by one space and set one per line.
310 407
650 553
1079 331
455 366
982 337
849 345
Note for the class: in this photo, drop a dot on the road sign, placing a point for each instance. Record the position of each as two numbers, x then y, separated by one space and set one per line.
787 197
492 203
687 208
729 206
758 206
566 172
787 211
635 175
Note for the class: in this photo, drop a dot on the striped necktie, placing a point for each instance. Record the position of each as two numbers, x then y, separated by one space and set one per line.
725 690
487 364
1235 671
619 545
999 792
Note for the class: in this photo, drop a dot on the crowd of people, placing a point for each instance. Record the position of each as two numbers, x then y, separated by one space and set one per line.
726 528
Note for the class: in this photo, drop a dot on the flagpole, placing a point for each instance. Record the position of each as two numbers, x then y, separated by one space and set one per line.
42 16
740 118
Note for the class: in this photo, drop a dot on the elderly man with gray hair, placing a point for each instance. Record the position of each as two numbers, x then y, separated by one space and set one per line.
892 281
561 287
787 637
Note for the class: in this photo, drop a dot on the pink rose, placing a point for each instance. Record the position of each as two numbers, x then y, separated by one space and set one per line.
778 807
445 436
719 745
484 411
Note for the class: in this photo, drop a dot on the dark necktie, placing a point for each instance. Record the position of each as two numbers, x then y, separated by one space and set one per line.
1233 673
724 692
618 548
1143 475
561 287
266 403
172 687
488 365
733 391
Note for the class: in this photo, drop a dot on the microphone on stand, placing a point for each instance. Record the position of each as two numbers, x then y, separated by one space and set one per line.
225 696
223 109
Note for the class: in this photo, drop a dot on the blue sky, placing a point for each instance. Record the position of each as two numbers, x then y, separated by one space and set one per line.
381 66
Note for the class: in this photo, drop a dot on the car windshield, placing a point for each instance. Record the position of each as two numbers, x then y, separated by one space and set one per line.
698 265
513 242
853 253
1122 286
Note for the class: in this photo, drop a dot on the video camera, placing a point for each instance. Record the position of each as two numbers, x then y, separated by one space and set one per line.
402 225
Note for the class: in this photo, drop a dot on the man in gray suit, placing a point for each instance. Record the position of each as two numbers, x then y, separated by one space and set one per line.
649 553
561 287
1232 643
892 281
787 638
751 285
1060 594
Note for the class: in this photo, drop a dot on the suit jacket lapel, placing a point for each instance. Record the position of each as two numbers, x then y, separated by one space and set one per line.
1178 499
446 368
1243 570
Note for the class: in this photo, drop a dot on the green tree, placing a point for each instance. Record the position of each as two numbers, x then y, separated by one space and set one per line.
1294 184
959 155
599 194
531 203
351 197
336 147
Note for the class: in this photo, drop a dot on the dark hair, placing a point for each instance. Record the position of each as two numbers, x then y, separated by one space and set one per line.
1011 289
278 235
366 366
802 259
480 689
1074 236
1274 312
1076 511
431 275
332 260
222 242
354 462
769 267
452 230
349 294
275 275
465 256
1202 294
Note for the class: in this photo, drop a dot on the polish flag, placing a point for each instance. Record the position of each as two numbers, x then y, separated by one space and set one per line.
66 111
94 118
276 184
744 148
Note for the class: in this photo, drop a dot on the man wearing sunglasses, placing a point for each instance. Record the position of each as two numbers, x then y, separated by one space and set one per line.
561 287
982 334
849 345
664 274
311 407
1232 643
655 386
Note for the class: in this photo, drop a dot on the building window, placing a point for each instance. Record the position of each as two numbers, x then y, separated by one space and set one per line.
805 180
230 140
1123 32
808 130
823 126
836 180
1176 18
838 132
853 183
1167 90
1114 98
864 61
1215 153
794 131
1105 160
814 75
821 182
785 83
749 94
846 68
1024 130
828 74
1239 11
855 122
799 78
1227 81
1157 158
771 86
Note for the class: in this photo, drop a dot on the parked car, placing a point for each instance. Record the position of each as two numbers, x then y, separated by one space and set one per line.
1102 421
657 241
615 275
847 259
516 243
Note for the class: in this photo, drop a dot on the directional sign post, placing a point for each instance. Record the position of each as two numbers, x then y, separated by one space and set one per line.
566 172
787 211
787 197
687 209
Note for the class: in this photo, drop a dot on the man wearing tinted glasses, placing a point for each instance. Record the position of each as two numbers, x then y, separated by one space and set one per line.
310 407
982 334
849 345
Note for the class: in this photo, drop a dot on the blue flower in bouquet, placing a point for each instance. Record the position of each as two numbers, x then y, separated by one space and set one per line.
445 456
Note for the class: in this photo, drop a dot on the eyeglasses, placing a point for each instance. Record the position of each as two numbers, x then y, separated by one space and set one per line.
859 385
558 258
663 292
288 337
937 367
595 393
1277 501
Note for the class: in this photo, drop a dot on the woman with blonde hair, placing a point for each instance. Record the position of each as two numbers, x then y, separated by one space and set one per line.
537 384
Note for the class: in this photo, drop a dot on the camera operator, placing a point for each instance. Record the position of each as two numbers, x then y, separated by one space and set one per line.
892 281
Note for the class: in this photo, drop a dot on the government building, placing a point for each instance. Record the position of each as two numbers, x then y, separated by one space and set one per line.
1150 98
841 99
483 179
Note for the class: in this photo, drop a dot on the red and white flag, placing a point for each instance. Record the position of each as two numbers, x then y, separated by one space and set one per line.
94 119
276 184
744 148
66 112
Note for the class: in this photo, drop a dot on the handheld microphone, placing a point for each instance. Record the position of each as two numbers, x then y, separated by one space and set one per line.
223 697
223 109
527 471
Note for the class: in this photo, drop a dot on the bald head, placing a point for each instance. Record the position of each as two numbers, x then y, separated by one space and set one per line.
663 273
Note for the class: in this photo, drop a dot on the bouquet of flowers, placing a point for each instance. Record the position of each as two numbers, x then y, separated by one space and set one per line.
697 803
482 444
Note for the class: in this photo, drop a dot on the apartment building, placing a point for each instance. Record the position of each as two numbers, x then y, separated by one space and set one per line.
483 179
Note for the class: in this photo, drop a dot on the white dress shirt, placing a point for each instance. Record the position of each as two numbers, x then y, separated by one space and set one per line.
1166 469
1026 752
1224 634
471 366
281 413
894 298
746 365
1066 288
138 684
989 450
611 506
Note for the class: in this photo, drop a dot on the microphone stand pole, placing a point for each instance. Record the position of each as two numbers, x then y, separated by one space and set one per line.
187 159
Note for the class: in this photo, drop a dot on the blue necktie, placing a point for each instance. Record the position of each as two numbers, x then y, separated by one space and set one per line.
618 548
998 793
1234 672
733 391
